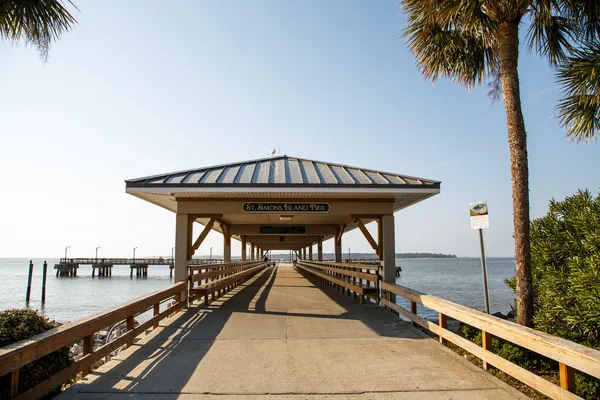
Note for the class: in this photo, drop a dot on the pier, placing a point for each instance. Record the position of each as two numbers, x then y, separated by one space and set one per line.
312 329
102 267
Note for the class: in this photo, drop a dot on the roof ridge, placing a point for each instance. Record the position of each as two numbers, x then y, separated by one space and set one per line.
273 158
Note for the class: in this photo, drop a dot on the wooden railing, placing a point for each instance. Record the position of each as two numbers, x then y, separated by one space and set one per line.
361 281
217 279
17 355
210 272
570 356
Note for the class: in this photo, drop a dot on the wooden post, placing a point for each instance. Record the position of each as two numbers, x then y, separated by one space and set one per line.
44 274
88 348
443 322
567 377
28 296
130 326
486 343
156 312
14 384
413 309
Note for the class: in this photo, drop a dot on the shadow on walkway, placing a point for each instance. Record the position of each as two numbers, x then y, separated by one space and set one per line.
172 357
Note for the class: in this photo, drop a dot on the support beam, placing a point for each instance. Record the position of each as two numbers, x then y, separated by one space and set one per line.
380 238
320 250
389 249
310 252
202 236
182 238
226 244
367 235
243 248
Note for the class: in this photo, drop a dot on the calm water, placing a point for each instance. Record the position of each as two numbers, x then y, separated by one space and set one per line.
68 299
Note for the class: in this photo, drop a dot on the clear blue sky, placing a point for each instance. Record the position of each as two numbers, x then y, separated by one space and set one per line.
143 87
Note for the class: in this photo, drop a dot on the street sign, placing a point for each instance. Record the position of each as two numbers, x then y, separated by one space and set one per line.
480 221
479 215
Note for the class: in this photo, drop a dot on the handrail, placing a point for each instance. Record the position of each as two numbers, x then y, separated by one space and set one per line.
349 266
227 270
196 267
347 272
15 356
570 355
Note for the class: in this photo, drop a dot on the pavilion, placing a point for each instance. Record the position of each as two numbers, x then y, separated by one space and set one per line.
282 203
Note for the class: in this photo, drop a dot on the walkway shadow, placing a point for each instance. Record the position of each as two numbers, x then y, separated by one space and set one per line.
167 362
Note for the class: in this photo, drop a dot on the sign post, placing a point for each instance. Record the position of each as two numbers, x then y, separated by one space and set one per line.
480 221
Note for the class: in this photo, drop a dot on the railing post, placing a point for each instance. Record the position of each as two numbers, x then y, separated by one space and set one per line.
443 323
130 326
88 348
14 384
413 309
486 343
567 378
156 312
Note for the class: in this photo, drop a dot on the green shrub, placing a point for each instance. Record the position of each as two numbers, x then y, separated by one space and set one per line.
565 256
16 325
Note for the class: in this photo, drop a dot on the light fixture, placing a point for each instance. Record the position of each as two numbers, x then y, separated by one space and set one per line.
286 217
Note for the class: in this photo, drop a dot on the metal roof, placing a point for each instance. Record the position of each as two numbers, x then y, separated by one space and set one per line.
282 171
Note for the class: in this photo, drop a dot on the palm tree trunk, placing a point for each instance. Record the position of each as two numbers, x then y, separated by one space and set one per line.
517 139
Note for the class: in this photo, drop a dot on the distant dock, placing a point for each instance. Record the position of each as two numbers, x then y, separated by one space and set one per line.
103 266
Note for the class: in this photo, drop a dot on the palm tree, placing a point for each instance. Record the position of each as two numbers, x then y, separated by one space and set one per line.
39 22
477 41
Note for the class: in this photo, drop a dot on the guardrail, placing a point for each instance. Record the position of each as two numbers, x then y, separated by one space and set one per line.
210 272
17 355
570 356
361 281
217 279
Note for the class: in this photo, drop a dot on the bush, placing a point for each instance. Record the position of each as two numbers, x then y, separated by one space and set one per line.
565 257
16 325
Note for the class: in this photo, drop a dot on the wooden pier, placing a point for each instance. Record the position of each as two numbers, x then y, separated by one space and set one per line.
102 267
66 269
287 333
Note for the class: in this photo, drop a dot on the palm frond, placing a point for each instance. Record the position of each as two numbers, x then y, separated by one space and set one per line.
586 14
36 21
551 33
579 108
452 39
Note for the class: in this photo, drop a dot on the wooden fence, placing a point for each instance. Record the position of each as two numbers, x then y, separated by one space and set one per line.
216 279
17 355
360 280
570 356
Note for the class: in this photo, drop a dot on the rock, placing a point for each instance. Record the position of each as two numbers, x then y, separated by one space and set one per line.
76 349
510 314
453 325
499 315
98 363
101 335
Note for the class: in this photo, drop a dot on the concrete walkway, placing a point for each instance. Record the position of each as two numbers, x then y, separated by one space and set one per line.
282 336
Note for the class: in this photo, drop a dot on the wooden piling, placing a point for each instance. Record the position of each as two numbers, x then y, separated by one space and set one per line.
44 272
28 296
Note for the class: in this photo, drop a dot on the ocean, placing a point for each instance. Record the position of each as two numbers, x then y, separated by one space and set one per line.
70 298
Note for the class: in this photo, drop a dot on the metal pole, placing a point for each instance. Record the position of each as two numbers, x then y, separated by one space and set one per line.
348 254
44 271
484 273
28 296
210 260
